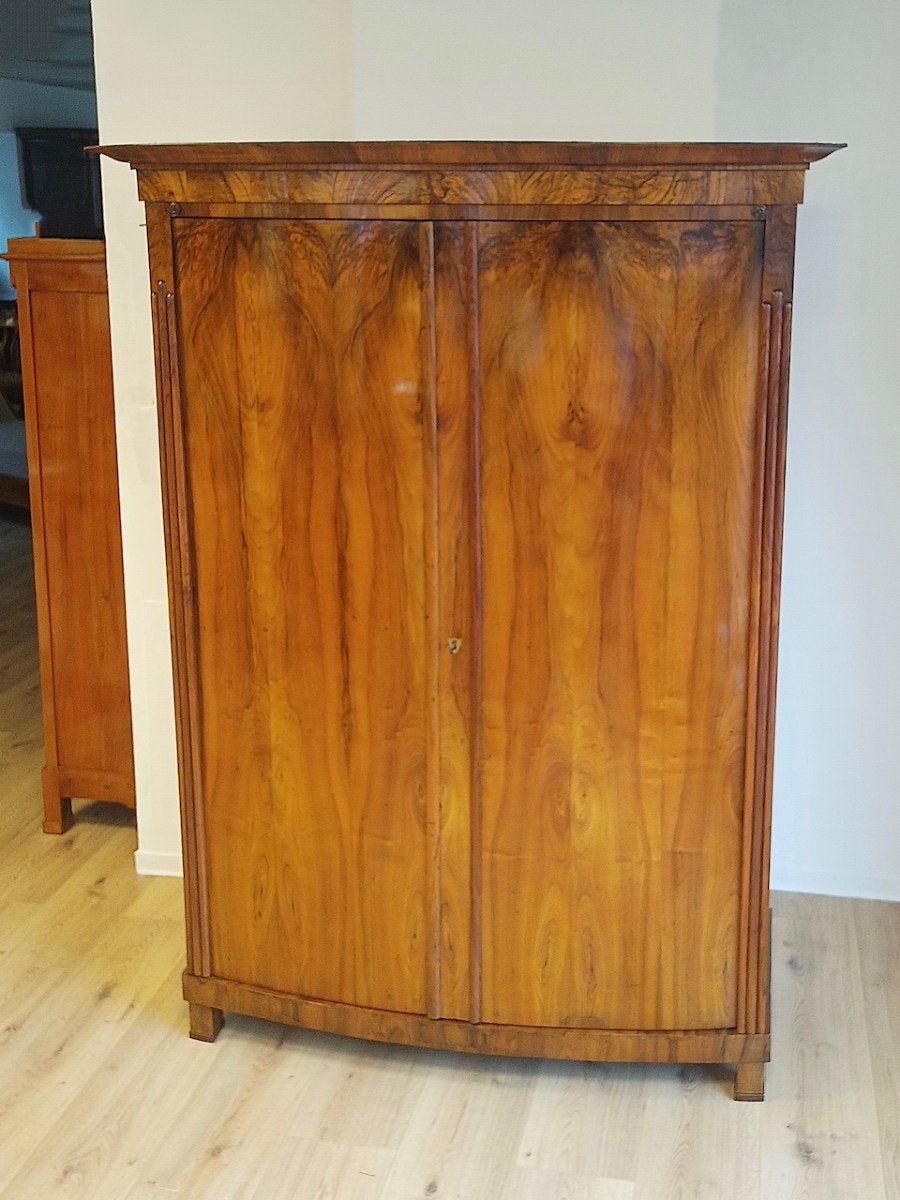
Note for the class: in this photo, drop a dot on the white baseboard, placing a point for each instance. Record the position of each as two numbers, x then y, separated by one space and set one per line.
146 862
830 883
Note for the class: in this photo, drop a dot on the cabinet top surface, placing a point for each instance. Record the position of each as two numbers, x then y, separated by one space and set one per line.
273 155
55 249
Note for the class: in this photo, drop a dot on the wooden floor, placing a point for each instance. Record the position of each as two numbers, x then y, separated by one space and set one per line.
103 1096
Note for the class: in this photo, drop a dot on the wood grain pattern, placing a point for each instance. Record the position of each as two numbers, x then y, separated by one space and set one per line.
368 210
778 273
456 186
306 488
473 173
618 438
473 462
456 614
431 570
205 1022
180 594
67 382
750 1081
525 1041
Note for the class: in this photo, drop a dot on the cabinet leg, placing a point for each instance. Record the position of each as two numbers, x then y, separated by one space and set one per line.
57 808
750 1081
205 1022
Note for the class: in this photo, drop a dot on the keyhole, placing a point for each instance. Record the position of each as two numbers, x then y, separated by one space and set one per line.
454 644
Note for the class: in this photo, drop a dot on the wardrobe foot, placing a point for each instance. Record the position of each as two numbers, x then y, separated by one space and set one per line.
205 1022
750 1081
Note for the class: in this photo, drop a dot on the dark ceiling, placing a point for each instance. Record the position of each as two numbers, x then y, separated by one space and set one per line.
47 41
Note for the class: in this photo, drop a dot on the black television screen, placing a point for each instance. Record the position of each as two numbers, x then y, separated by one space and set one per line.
61 182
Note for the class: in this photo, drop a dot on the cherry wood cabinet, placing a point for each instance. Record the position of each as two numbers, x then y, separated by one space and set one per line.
74 497
473 459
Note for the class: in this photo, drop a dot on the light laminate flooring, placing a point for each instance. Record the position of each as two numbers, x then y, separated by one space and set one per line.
104 1097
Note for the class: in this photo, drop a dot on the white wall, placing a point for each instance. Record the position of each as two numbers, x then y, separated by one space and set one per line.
205 71
24 104
828 69
572 70
618 70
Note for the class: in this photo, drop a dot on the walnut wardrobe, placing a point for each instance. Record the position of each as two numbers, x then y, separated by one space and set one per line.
473 460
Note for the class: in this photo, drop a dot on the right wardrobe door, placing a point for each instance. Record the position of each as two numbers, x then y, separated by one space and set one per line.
618 499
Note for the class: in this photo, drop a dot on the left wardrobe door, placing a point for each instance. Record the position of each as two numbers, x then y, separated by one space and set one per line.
305 384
